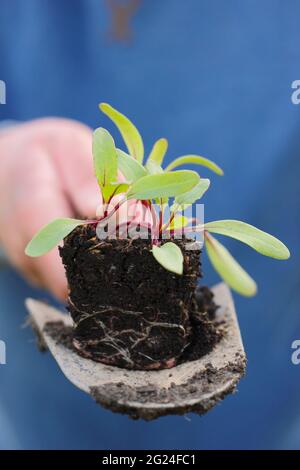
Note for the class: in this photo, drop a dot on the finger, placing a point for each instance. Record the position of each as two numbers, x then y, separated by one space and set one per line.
37 279
52 274
40 200
74 161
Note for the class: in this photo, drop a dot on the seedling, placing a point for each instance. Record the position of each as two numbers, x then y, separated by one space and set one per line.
164 188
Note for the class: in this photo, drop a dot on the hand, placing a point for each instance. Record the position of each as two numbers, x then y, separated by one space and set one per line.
46 171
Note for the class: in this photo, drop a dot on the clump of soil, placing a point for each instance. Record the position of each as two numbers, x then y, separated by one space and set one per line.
205 301
128 310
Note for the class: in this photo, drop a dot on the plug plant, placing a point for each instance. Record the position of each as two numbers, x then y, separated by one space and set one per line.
160 189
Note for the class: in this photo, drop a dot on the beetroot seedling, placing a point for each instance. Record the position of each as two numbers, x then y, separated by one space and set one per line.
133 298
151 184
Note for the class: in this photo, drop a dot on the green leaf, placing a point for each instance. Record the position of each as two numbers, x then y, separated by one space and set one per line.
258 240
186 199
130 168
153 168
129 132
105 157
113 189
158 151
178 222
163 185
195 160
169 256
50 235
229 269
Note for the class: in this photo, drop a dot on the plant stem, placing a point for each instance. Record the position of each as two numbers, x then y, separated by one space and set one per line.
113 211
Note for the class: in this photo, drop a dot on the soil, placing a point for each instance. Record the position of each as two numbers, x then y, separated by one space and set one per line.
202 391
129 311
205 301
199 393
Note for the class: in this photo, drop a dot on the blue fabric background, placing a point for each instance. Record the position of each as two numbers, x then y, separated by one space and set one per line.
214 77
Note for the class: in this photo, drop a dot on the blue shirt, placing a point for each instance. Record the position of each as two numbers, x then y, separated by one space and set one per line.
215 78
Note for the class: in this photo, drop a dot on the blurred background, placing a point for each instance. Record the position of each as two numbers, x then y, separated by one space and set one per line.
214 77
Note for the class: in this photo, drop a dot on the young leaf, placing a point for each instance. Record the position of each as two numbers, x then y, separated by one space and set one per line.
130 168
153 168
129 132
178 222
158 151
113 189
105 157
195 160
50 235
258 240
228 268
163 185
188 198
169 256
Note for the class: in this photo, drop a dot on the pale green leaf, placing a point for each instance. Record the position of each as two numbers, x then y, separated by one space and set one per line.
153 168
129 132
50 235
105 157
186 199
228 268
178 222
258 240
195 160
163 185
169 256
113 189
130 168
158 151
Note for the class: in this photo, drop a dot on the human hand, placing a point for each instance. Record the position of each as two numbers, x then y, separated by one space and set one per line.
46 172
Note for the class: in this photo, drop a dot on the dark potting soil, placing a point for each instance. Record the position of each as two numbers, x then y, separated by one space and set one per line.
199 393
206 334
128 310
205 301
